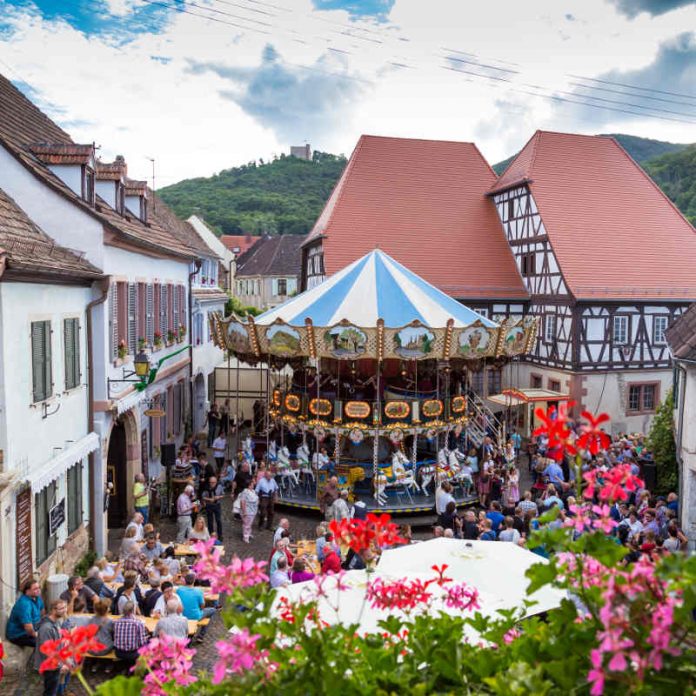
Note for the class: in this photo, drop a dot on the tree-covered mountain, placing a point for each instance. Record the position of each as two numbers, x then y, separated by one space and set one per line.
675 173
284 196
641 149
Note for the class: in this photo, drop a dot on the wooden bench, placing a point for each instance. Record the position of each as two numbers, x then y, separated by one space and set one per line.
203 622
109 656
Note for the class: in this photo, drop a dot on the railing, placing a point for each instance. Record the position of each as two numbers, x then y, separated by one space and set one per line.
482 422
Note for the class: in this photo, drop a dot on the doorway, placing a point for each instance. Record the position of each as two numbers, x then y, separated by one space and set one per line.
199 401
116 470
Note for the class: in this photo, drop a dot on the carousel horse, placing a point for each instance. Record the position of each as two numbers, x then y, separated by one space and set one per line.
380 483
284 466
456 460
427 472
272 454
403 476
248 451
303 460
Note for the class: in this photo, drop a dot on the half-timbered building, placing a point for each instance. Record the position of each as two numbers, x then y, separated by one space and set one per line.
573 232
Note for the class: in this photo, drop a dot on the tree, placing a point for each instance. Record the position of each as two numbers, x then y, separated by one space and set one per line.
663 447
234 305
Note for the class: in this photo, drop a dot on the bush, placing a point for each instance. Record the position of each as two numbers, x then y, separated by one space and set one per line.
662 444
85 563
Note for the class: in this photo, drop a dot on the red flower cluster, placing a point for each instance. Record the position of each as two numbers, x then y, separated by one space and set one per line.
593 438
377 530
440 570
555 426
71 648
398 594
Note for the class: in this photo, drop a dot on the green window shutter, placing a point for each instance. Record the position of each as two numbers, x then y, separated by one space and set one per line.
42 375
71 336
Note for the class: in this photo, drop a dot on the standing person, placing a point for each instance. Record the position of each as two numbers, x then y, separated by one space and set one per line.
25 616
212 496
129 635
329 496
249 506
219 450
225 418
141 497
340 509
137 523
49 629
516 440
241 479
213 422
512 487
267 490
184 510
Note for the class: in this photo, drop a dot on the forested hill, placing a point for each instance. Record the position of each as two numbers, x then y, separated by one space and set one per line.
641 149
280 197
287 195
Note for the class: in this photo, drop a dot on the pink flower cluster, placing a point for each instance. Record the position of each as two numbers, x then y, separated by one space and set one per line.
398 594
238 654
167 659
611 485
636 616
586 518
462 597
226 578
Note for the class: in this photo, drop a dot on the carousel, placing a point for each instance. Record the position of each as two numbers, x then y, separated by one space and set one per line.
368 377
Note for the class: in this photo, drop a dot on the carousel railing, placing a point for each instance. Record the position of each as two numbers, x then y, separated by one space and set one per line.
482 421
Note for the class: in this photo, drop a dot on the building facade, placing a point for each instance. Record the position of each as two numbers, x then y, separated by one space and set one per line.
268 273
573 232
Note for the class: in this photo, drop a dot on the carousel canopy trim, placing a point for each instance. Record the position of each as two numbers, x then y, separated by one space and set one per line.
374 287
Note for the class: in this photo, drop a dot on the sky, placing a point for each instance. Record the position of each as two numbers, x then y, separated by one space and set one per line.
204 85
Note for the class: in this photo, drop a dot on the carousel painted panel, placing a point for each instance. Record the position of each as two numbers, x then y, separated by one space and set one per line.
345 341
474 342
237 337
414 342
282 340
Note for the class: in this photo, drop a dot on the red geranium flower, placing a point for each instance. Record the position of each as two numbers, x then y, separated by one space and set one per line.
70 649
440 570
593 438
555 427
377 530
398 594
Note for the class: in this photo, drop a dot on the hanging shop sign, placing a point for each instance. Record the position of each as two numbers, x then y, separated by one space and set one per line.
154 413
56 517
25 569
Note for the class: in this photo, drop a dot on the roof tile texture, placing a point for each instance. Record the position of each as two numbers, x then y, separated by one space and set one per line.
242 242
423 202
272 256
614 233
681 336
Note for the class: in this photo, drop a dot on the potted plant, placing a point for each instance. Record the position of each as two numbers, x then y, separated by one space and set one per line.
142 343
159 342
182 332
171 337
122 350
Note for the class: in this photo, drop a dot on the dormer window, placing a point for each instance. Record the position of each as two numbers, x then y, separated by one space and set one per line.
120 198
143 208
88 184
136 198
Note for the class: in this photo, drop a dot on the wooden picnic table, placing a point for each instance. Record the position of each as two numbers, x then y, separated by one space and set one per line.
307 550
149 621
210 597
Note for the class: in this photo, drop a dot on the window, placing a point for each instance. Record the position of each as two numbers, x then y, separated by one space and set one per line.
74 497
71 348
643 398
535 381
620 330
549 328
495 380
282 288
483 311
528 264
554 385
477 382
42 375
659 328
88 185
511 208
43 502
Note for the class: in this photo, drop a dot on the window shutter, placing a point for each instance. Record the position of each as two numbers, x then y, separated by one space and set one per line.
171 326
141 311
163 312
177 298
183 308
42 375
113 321
163 421
71 339
149 314
132 313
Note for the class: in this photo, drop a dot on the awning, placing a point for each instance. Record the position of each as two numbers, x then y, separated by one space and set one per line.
515 397
128 402
56 467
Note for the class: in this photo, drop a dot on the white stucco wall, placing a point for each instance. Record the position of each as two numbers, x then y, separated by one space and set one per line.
686 436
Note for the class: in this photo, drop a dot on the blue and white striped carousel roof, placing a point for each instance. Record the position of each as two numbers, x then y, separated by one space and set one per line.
374 287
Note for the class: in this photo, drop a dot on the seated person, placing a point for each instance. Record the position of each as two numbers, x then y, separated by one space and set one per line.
160 609
299 572
129 634
105 634
280 578
128 594
193 602
137 524
25 616
95 583
152 595
174 624
78 589
110 568
131 578
200 530
320 460
182 468
129 544
152 549
332 561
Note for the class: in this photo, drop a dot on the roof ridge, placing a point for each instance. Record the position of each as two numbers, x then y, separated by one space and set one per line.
421 140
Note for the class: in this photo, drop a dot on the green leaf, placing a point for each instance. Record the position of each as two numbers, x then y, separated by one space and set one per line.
121 686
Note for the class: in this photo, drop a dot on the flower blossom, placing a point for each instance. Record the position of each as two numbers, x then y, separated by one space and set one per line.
167 659
398 594
612 485
440 570
226 578
463 597
377 530
70 649
603 521
239 654
555 426
593 438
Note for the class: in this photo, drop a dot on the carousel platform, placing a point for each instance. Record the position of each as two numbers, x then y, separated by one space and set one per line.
396 505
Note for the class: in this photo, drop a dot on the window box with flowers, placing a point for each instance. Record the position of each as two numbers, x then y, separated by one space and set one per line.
182 333
142 343
171 337
122 353
158 341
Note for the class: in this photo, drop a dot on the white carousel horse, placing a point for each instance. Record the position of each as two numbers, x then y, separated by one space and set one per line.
248 452
272 454
427 474
380 483
403 476
456 461
285 471
304 462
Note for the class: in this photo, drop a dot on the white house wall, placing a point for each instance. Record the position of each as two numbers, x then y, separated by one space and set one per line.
686 436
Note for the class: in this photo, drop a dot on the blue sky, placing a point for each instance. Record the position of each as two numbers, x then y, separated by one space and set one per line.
202 85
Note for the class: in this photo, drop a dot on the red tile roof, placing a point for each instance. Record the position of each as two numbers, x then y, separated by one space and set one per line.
62 153
280 255
614 232
423 202
239 243
112 171
681 335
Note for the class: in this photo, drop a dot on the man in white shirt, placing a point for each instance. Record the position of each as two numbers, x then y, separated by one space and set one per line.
283 526
137 522
173 623
162 606
443 495
340 509
219 450
321 460
280 577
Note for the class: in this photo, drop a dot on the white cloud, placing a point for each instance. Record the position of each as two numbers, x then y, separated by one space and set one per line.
141 99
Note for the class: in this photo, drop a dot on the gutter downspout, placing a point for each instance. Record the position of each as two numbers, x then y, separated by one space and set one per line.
104 286
197 263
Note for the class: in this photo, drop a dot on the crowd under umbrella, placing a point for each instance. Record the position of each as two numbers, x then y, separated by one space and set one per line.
374 364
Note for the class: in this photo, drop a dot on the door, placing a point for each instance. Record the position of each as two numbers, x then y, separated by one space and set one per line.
116 467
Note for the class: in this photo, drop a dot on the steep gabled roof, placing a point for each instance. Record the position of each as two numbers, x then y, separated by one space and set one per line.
239 242
30 249
272 256
614 232
25 130
681 336
424 203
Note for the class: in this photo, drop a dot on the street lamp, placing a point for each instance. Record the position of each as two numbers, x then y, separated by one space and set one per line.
141 363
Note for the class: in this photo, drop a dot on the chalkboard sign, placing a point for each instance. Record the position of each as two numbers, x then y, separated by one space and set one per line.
56 517
25 568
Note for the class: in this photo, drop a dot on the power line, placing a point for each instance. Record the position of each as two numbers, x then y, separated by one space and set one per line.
628 94
642 89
